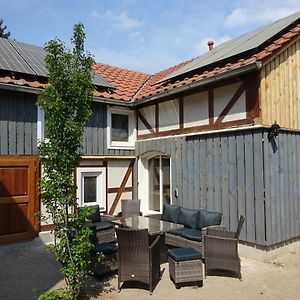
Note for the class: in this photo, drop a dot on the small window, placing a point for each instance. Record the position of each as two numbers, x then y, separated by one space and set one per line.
91 186
120 129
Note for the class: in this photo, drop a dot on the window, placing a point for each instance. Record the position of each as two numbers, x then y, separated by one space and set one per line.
159 182
91 186
120 129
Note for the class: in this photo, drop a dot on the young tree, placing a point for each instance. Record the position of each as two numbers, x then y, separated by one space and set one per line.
2 29
66 104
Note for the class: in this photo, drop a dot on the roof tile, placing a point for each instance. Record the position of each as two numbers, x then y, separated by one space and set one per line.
126 82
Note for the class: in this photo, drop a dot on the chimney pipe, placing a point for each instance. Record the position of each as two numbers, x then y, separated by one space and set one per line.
210 45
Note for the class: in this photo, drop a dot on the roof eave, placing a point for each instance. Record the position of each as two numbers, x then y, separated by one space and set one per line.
212 79
113 101
20 88
33 90
219 77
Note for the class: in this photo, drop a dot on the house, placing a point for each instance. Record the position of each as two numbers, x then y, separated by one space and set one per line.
220 132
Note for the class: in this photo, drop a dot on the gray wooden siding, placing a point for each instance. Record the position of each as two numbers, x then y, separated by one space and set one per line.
18 120
18 127
95 141
239 173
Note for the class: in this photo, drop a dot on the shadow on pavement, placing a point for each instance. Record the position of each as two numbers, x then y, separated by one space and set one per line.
27 270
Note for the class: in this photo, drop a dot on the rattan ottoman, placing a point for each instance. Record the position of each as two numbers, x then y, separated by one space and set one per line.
185 266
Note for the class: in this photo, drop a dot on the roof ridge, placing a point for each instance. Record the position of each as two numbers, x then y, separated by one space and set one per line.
133 98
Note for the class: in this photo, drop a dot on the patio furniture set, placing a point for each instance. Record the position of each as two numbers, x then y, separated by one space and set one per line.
186 237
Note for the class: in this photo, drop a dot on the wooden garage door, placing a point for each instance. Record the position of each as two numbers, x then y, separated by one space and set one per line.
17 198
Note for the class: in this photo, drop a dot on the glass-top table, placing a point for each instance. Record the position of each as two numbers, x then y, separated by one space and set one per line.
154 226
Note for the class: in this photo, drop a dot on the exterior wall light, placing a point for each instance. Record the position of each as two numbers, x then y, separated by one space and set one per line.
273 132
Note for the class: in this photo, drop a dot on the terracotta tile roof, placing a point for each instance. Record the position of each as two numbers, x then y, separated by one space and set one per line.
7 79
126 83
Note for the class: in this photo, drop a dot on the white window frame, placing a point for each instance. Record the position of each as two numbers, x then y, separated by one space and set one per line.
131 129
143 182
40 124
100 172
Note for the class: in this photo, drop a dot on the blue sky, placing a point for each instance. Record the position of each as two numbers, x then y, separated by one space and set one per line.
143 35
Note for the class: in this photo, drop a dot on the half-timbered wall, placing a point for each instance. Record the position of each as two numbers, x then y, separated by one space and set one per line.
120 183
18 123
95 134
280 88
222 106
238 172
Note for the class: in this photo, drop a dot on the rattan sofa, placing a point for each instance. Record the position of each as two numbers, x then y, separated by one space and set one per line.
195 222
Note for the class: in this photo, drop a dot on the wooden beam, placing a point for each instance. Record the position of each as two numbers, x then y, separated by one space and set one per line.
231 103
196 129
145 122
211 106
252 96
157 117
116 189
181 112
122 188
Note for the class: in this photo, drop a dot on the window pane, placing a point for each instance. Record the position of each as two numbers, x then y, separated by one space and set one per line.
90 194
154 190
166 179
119 128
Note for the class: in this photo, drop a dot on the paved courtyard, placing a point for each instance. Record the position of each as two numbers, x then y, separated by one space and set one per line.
26 270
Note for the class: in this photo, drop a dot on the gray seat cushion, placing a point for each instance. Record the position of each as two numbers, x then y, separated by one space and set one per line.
192 234
105 248
178 231
170 213
184 254
208 218
188 217
100 226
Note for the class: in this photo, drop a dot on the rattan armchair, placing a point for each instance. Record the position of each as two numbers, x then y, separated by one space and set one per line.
139 257
221 250
105 231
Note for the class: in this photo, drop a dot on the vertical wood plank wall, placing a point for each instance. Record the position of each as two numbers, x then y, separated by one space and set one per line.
18 127
95 138
18 123
280 88
239 173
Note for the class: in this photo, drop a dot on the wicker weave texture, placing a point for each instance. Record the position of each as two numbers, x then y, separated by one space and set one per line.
106 236
221 250
108 264
130 207
138 259
178 241
186 271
